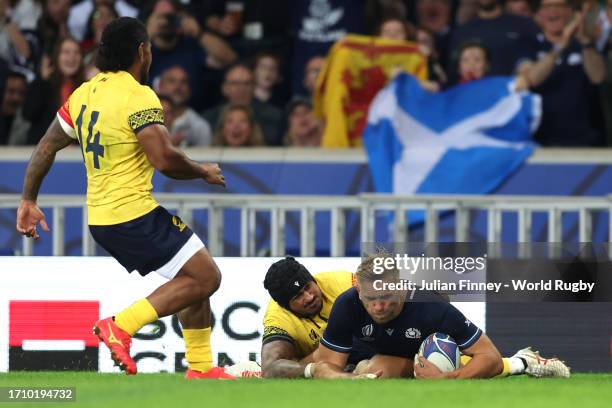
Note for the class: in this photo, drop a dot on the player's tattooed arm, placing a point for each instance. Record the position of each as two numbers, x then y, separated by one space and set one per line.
278 360
54 140
28 214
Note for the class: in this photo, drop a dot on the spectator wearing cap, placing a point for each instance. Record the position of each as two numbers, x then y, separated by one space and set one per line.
237 127
304 130
189 128
238 88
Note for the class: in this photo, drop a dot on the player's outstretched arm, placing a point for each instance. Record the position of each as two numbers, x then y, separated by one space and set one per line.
278 360
330 364
171 161
28 214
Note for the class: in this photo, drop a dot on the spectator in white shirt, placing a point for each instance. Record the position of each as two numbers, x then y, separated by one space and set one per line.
188 127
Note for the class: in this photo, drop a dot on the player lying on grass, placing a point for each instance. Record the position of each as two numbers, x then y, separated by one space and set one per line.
298 315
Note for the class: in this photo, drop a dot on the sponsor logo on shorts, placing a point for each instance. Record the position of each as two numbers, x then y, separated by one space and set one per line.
178 223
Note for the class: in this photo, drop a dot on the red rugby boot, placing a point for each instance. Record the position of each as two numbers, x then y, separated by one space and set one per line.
213 373
118 342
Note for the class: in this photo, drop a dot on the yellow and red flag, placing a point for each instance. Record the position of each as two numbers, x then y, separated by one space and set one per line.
357 67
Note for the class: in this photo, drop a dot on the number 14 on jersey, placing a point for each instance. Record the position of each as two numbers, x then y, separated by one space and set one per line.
93 140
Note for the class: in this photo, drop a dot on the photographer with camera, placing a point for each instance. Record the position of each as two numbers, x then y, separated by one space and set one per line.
177 39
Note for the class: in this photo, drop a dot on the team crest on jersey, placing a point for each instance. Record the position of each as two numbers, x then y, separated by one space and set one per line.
413 333
178 223
313 335
367 331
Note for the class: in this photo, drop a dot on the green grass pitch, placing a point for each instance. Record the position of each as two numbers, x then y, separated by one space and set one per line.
171 390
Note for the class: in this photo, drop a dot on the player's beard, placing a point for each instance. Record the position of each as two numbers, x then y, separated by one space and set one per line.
308 316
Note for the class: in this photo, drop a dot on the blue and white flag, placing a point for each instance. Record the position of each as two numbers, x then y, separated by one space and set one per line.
466 140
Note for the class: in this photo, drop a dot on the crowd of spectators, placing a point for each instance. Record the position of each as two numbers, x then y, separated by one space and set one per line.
243 72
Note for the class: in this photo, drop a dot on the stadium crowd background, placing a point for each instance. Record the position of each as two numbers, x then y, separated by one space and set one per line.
242 73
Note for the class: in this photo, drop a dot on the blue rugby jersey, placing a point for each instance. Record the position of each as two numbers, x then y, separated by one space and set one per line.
349 322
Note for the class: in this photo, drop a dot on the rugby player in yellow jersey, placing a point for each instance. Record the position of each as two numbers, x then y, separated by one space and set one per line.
298 314
118 122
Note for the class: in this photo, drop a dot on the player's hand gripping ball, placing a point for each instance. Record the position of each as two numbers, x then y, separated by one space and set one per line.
442 351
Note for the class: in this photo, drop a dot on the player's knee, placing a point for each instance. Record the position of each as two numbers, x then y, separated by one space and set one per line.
215 280
499 364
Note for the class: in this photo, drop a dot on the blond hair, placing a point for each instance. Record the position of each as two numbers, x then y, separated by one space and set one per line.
366 270
255 136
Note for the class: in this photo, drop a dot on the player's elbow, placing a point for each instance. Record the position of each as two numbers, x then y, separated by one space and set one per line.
162 162
267 371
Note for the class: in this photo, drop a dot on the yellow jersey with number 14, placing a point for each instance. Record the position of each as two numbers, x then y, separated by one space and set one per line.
105 114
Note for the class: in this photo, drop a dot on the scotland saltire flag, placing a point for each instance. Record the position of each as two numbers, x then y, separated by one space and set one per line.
466 140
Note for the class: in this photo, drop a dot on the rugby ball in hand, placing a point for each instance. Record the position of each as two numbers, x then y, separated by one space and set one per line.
442 351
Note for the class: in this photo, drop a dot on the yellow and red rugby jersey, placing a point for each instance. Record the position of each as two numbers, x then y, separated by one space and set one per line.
304 333
104 115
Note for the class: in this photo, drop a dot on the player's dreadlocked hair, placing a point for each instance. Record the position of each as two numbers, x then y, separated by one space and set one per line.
285 279
119 45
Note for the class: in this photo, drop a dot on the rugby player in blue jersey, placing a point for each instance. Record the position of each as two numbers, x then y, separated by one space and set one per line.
390 325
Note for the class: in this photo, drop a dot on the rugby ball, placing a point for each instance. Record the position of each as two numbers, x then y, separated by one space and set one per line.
442 351
244 369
